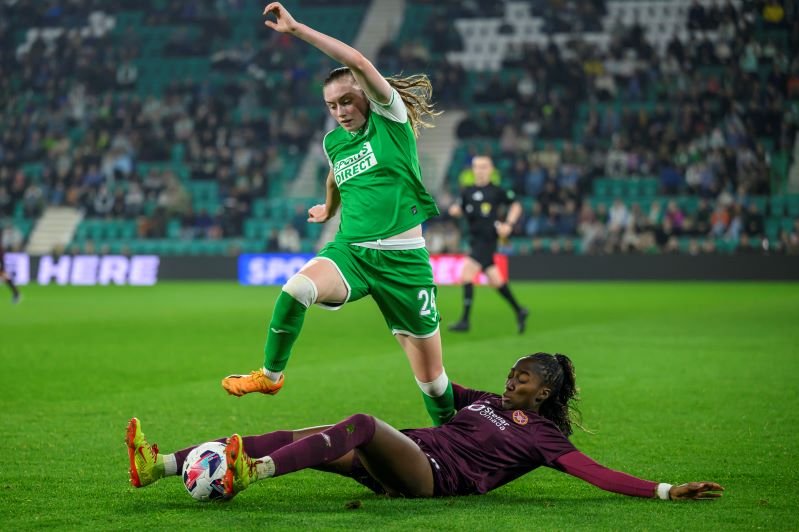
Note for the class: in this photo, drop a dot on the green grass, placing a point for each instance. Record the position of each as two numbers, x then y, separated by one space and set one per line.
679 382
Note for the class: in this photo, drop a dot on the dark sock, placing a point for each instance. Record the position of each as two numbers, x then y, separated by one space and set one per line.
468 296
255 446
504 290
13 287
320 448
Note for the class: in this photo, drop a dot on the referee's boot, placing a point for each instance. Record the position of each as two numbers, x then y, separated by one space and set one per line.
521 319
461 326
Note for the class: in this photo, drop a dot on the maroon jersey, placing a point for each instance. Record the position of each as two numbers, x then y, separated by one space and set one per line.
484 447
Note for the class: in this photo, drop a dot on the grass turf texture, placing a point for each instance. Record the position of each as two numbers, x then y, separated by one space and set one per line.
680 382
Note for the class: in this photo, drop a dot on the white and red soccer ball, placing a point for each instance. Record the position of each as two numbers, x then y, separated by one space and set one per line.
203 471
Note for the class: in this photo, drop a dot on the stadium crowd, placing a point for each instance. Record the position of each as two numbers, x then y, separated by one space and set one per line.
704 117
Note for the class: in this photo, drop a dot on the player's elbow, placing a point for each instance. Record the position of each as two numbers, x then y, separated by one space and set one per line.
359 63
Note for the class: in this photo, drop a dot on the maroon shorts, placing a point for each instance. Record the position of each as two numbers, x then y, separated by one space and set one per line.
443 485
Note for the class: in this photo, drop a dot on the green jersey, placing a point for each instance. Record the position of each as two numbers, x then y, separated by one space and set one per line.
377 174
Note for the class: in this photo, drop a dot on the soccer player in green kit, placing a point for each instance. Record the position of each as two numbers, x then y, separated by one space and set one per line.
379 249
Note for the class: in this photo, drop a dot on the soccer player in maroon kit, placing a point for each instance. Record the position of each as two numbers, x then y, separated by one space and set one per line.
491 440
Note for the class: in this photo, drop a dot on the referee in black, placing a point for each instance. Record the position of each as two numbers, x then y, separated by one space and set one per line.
482 205
4 275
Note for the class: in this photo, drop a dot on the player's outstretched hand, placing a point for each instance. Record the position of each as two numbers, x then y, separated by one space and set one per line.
284 22
318 214
695 490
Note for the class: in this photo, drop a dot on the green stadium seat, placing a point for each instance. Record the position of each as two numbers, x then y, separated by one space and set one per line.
649 187
772 228
618 188
259 208
173 228
633 189
777 206
602 187
792 205
128 230
760 201
688 204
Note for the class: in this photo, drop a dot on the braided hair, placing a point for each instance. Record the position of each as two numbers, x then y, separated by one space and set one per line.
557 372
415 91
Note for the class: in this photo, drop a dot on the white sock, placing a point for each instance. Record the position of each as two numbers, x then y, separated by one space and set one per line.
436 387
170 465
265 467
273 376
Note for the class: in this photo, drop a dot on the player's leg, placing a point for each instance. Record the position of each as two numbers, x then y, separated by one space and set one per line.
324 280
10 282
426 359
470 268
393 459
148 465
317 281
403 289
497 281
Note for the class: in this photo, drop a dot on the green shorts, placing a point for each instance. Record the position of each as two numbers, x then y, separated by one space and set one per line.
400 282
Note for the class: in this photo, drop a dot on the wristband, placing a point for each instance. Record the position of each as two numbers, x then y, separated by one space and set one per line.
663 490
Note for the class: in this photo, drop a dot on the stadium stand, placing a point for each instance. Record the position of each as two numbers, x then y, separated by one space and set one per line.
646 126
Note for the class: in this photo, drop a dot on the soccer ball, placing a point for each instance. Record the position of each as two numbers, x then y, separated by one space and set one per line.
203 471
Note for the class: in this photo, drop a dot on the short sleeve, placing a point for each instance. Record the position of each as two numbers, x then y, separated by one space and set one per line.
551 444
462 200
394 110
324 149
466 396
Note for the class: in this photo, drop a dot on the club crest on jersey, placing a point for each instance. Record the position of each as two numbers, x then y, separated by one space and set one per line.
349 167
520 418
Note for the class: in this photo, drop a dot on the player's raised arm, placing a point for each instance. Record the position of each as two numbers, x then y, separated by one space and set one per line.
370 80
581 466
322 213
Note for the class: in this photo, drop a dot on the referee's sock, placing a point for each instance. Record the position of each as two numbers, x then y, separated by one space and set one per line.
468 297
504 291
13 287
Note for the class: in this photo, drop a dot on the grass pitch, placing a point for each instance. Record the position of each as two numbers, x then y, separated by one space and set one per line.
680 382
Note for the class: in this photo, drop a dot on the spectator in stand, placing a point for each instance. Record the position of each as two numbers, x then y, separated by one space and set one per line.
273 241
591 229
288 239
702 219
675 215
754 225
719 220
790 239
733 232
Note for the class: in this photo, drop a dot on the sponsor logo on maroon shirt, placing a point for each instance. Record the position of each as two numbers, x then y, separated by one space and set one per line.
488 413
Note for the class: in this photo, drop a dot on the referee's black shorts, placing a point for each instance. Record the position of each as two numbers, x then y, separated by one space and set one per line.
483 252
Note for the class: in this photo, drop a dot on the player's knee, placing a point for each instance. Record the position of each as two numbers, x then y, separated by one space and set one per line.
362 425
436 387
301 288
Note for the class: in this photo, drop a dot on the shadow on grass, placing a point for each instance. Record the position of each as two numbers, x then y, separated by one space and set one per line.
352 501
